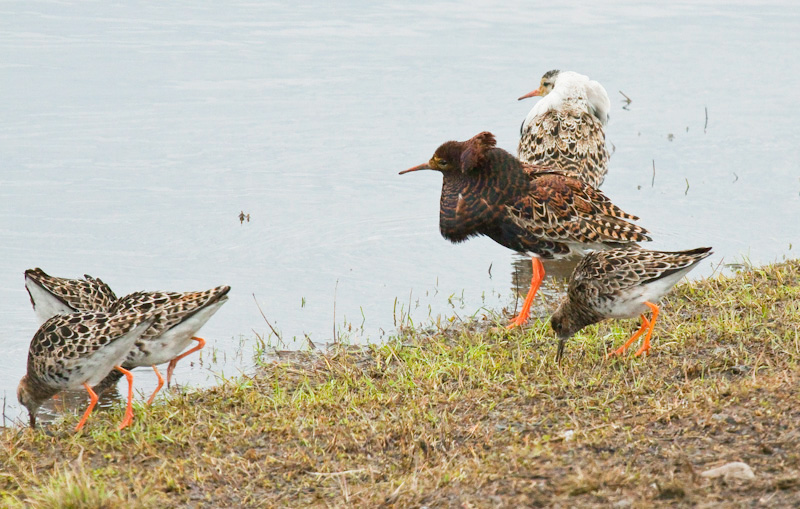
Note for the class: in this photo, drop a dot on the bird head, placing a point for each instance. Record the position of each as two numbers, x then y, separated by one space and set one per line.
564 325
545 86
26 399
561 324
459 156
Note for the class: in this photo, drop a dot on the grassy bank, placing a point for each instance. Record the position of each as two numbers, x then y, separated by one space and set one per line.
477 417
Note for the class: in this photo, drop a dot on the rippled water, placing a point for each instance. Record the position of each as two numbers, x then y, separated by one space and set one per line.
133 136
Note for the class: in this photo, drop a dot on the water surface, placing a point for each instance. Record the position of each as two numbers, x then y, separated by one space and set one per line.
133 136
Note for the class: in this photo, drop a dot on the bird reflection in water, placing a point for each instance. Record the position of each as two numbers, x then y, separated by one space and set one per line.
554 285
75 401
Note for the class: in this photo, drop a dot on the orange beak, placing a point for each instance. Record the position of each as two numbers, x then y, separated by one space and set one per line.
423 166
536 92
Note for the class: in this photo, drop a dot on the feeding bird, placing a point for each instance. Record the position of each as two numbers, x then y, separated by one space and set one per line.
621 283
180 316
52 295
544 214
565 130
79 349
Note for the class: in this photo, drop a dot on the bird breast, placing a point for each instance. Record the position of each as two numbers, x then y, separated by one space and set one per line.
454 223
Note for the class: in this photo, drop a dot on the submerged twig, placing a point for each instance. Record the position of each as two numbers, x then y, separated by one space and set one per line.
687 187
265 319
628 100
653 180
737 177
706 124
717 268
260 339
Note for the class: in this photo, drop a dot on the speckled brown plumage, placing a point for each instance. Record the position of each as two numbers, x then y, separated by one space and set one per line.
486 191
570 215
76 349
566 129
180 316
619 284
569 140
50 295
173 308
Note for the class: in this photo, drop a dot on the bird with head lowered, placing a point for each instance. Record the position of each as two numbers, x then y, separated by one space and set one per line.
621 283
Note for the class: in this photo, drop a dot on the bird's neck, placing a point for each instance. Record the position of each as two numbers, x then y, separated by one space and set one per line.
38 389
572 97
580 314
585 315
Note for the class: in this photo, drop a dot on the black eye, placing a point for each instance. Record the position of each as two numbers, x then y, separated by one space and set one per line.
442 162
546 84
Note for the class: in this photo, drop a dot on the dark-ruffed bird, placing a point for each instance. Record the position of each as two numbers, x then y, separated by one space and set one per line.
544 214
621 283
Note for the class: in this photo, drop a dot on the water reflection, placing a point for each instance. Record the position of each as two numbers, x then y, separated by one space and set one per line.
554 285
75 401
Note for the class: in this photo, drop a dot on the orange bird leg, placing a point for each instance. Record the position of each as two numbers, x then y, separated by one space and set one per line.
160 385
129 410
93 401
536 282
621 350
200 344
646 343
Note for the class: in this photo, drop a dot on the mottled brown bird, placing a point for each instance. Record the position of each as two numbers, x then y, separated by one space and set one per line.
52 295
621 283
79 349
179 317
544 214
565 130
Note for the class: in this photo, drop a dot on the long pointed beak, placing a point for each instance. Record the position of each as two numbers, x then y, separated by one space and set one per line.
33 419
536 92
423 166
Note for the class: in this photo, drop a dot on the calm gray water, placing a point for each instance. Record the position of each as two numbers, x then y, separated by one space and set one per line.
133 135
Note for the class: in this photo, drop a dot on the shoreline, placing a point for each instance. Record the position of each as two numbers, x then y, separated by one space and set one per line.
472 417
